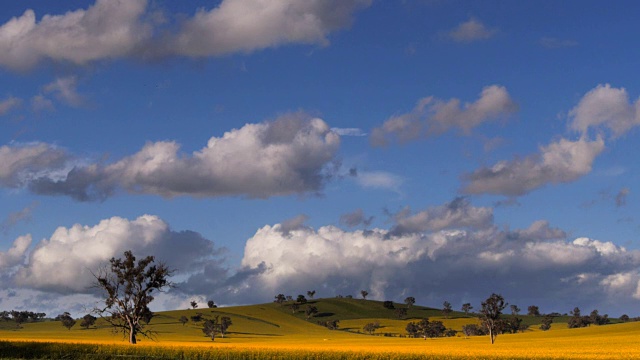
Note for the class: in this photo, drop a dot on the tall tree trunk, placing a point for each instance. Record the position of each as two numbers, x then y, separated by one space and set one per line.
132 332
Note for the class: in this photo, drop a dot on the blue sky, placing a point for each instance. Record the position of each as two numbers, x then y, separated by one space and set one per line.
438 149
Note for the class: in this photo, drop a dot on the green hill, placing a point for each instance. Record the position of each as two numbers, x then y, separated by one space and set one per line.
266 321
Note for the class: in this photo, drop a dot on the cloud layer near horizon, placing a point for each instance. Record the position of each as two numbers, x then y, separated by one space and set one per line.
283 157
452 252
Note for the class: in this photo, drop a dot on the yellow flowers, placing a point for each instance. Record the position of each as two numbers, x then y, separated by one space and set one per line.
263 333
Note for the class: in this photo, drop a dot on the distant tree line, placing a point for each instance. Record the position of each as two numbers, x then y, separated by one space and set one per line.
20 317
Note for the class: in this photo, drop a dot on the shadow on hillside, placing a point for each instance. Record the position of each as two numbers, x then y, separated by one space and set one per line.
324 314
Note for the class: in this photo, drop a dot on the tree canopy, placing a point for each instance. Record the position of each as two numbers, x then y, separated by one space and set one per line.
129 288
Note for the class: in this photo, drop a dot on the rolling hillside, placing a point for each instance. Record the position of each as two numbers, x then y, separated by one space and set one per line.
262 321
273 327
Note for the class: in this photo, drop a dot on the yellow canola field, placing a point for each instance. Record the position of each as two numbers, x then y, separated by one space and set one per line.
256 331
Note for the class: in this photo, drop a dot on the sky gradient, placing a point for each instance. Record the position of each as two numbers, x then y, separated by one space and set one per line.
444 150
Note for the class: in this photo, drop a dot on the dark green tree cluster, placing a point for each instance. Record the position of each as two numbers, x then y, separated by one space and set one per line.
371 327
578 321
217 325
428 329
20 317
66 320
88 321
330 324
547 320
473 330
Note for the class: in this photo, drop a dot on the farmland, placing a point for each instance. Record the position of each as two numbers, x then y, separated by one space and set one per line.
271 330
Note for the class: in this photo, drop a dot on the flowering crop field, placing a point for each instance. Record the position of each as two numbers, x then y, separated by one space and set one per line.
269 332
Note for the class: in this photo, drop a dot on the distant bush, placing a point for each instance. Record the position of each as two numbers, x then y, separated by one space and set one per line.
473 330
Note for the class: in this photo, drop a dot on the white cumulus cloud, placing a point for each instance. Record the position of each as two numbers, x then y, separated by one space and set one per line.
248 25
442 264
107 29
16 254
432 116
113 29
605 107
21 163
64 262
471 30
9 104
559 162
290 155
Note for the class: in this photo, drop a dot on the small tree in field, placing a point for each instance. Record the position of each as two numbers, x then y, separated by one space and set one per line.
183 319
280 298
310 311
446 309
311 293
364 294
515 310
546 323
491 311
88 321
370 328
294 308
466 308
533 310
225 322
410 301
211 328
67 321
211 304
194 304
129 287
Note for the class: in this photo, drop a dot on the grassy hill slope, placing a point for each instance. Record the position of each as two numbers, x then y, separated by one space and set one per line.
264 323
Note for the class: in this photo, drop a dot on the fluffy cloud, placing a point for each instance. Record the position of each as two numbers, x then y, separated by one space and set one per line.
64 263
112 29
108 29
356 218
433 116
9 104
472 30
283 157
559 162
18 216
605 107
248 25
65 90
22 163
466 265
16 254
459 213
